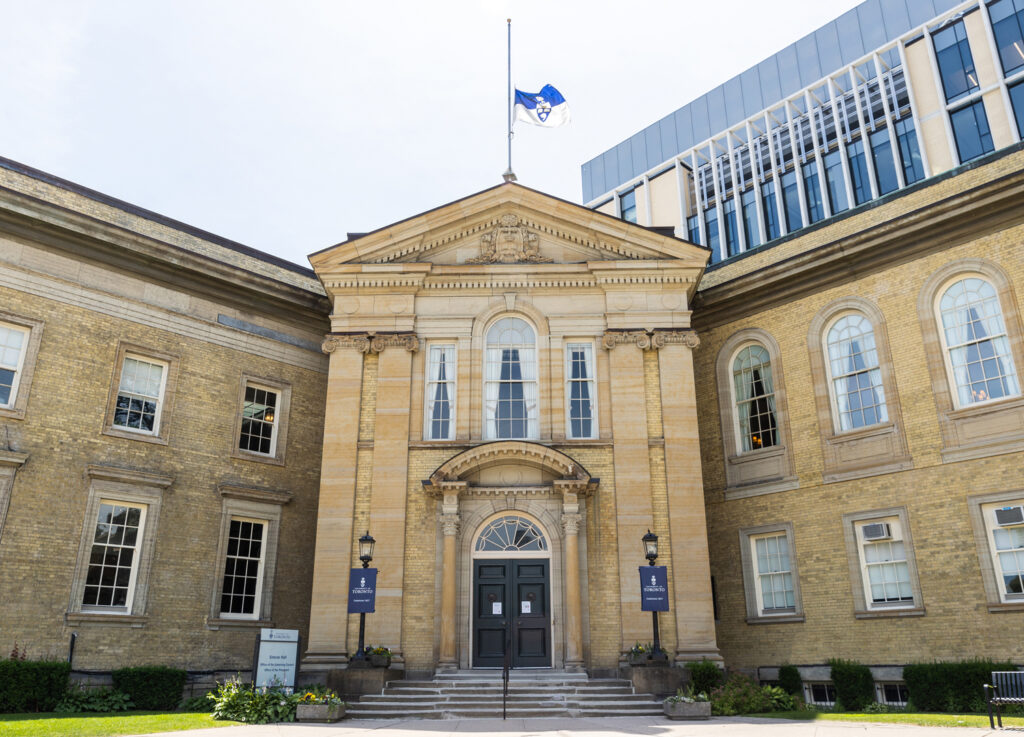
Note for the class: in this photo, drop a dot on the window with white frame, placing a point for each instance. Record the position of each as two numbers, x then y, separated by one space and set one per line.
260 420
774 576
823 694
754 398
439 419
243 568
977 349
1005 526
510 380
894 694
114 557
140 394
855 379
13 345
884 565
581 396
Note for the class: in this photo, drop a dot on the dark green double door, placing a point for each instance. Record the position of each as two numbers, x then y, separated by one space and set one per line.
511 608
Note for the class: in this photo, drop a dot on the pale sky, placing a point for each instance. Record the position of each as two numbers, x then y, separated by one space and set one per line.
285 125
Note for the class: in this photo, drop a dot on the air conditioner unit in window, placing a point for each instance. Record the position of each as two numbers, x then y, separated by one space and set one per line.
1010 516
877 531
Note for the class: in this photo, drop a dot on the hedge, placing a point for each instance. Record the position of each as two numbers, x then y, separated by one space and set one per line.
790 681
32 685
855 687
152 687
951 687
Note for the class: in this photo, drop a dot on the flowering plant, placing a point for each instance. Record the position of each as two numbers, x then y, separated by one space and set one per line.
378 650
641 649
686 696
320 695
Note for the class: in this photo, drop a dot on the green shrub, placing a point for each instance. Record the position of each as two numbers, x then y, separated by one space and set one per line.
778 699
80 699
739 695
705 676
240 702
950 687
196 704
790 681
151 687
32 685
855 686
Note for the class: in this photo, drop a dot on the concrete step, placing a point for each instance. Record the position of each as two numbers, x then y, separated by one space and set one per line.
518 691
402 698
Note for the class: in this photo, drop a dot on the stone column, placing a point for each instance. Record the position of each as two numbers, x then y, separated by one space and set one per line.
571 519
691 573
448 652
633 509
328 616
389 484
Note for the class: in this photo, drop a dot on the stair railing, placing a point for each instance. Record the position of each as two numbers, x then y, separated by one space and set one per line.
504 675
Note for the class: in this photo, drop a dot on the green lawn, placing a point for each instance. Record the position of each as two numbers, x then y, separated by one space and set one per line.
101 725
923 718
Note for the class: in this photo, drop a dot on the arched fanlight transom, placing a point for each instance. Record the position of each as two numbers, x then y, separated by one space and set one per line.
513 534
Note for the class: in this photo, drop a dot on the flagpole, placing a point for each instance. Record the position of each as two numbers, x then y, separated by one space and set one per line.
509 175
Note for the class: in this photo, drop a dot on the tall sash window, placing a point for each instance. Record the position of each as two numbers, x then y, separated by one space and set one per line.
755 398
976 343
856 378
582 419
510 381
440 405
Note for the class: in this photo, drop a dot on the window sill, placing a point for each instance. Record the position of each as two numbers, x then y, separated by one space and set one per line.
890 613
757 488
129 435
776 619
243 455
1006 606
124 620
219 623
981 408
13 413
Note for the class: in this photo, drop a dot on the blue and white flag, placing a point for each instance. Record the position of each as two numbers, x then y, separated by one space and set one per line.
547 107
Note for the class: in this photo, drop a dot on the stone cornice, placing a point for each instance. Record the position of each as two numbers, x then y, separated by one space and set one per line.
662 338
12 458
961 217
613 338
254 494
370 342
128 476
645 340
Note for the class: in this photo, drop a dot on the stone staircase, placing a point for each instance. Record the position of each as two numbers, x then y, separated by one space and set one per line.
531 693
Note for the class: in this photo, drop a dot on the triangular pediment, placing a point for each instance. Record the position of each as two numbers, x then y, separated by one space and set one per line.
509 224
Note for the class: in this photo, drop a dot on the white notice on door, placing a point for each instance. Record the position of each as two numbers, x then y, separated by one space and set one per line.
526 607
495 607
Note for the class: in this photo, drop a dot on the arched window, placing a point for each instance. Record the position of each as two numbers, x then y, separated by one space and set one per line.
855 378
975 341
511 534
510 380
755 398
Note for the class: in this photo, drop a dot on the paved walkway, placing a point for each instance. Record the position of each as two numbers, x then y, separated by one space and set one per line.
646 726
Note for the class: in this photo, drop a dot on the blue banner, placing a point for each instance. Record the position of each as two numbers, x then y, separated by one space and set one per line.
362 590
653 588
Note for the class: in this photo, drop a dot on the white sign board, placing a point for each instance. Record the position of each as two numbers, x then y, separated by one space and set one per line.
277 658
495 607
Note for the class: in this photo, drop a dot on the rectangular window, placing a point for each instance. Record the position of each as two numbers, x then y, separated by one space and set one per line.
259 420
956 65
823 694
693 228
751 230
1017 101
771 218
139 395
113 556
894 694
885 166
1008 27
627 205
1006 537
13 344
858 172
711 230
791 199
774 578
971 131
910 154
732 240
243 569
834 180
812 191
439 423
581 390
884 562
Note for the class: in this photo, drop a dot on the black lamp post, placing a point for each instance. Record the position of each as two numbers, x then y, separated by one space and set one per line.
365 555
651 553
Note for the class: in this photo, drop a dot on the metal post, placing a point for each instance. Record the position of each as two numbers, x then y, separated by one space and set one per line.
657 636
509 175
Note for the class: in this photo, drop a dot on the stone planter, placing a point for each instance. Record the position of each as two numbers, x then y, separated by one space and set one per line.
319 712
680 710
636 659
380 661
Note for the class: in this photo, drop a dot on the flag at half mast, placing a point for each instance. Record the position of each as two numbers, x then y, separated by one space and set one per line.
545 108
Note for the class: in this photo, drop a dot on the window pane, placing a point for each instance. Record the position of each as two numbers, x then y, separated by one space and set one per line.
812 192
858 172
627 203
581 390
108 577
751 230
856 378
259 420
1017 101
755 398
791 199
971 131
956 65
732 241
242 567
771 218
138 395
910 153
1008 27
711 230
510 384
836 184
885 167
693 228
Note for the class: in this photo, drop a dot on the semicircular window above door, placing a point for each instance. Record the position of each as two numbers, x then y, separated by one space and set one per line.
511 533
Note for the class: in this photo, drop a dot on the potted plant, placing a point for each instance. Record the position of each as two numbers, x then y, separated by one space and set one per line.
639 654
380 656
685 704
319 704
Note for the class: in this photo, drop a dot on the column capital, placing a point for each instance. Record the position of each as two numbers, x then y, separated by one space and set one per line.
613 338
370 342
571 523
689 338
450 524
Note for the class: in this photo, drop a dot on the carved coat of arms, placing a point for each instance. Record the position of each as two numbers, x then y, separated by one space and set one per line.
509 242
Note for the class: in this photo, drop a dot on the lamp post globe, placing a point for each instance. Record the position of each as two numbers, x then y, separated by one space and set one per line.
366 549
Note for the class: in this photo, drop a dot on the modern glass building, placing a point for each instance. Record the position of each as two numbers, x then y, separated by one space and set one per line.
888 94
